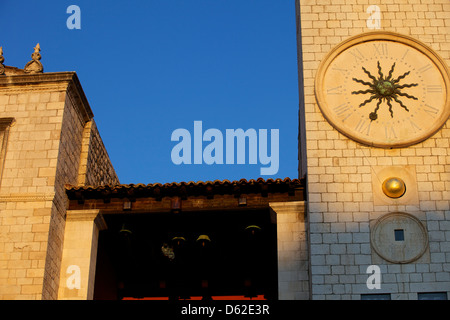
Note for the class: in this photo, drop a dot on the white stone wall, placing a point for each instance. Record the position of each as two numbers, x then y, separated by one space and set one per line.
342 202
292 249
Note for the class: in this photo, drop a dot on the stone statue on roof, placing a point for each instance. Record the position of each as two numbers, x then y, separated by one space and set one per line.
2 59
34 66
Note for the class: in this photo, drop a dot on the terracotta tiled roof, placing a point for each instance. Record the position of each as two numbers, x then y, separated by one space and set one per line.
185 189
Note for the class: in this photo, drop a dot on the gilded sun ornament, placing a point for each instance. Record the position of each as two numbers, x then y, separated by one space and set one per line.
384 88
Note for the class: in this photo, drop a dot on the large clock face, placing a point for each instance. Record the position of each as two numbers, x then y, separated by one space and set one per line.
384 90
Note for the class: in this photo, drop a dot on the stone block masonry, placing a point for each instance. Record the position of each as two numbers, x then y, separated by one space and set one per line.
342 202
52 120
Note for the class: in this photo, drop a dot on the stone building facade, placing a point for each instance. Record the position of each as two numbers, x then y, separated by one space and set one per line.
363 221
49 139
346 205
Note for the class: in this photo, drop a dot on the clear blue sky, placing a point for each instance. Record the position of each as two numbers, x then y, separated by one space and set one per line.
150 67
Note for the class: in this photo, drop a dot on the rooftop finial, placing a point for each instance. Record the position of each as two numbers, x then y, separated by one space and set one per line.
34 66
2 67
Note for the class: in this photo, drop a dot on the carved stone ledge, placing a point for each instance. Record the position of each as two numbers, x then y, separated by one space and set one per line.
24 197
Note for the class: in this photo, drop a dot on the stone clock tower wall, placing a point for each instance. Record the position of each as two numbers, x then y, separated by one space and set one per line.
346 205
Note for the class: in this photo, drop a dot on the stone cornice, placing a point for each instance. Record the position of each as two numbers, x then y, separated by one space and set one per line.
25 197
87 215
39 78
61 81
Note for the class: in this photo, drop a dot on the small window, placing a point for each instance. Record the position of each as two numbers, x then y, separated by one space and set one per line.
432 296
399 235
376 296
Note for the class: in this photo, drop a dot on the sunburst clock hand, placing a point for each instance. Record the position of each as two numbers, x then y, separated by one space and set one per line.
384 89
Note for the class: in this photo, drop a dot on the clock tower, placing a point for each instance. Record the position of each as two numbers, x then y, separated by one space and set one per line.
374 146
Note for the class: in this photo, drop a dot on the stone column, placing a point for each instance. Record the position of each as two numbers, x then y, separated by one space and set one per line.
293 278
79 256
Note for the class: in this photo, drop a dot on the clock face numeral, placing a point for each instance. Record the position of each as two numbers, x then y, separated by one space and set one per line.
343 111
434 88
363 126
425 68
380 49
357 55
389 132
335 90
343 71
414 126
432 111
404 55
